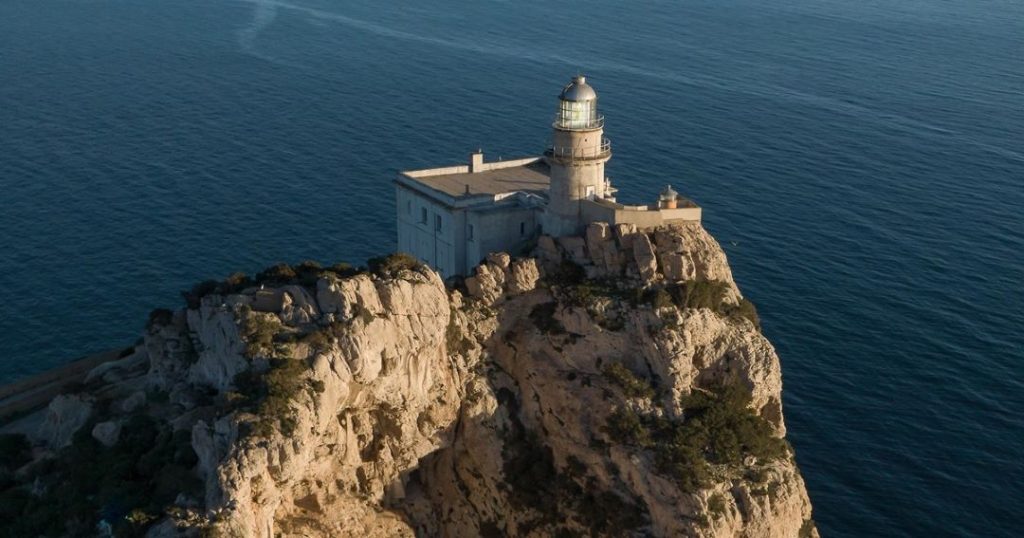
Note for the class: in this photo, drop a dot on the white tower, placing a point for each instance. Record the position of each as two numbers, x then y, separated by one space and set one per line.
577 155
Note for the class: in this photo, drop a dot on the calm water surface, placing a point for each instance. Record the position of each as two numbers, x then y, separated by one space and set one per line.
861 162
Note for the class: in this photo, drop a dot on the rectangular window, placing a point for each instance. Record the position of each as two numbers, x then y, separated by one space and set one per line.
423 215
522 229
408 207
469 233
437 223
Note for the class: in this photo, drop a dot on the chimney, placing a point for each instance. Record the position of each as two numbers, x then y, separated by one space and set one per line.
476 161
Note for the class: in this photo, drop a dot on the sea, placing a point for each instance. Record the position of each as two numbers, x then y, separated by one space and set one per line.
862 163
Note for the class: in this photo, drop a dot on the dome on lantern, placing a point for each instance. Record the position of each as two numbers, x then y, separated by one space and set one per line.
577 108
578 90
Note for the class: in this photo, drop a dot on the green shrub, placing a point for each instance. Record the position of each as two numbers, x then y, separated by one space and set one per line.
317 340
626 426
716 505
631 385
308 272
543 317
536 484
568 273
699 294
276 275
15 451
392 265
709 294
659 298
159 317
745 310
194 296
344 270
271 394
718 427
128 484
258 331
234 283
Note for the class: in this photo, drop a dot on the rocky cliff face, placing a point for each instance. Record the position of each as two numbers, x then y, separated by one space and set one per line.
612 385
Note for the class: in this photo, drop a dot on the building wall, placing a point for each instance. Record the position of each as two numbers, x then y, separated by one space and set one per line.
600 212
440 248
498 230
573 180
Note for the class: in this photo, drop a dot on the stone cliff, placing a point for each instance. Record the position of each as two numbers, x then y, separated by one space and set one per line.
615 384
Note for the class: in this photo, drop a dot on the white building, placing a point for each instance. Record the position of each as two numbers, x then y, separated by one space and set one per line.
454 216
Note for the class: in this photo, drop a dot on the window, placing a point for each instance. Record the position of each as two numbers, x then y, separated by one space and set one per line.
469 233
408 207
591 191
437 223
423 215
522 229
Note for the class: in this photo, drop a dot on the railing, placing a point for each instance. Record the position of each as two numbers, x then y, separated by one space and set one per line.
582 125
581 154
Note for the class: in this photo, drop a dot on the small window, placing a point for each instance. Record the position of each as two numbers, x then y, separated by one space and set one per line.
423 215
522 229
469 233
408 207
437 223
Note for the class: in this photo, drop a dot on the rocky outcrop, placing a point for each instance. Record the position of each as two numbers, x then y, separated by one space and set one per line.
65 415
527 404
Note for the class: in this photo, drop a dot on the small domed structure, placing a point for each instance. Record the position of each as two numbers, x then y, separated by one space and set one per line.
577 108
578 90
668 198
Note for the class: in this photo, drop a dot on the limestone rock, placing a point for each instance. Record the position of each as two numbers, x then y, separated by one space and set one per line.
643 255
65 415
410 411
107 432
133 402
524 276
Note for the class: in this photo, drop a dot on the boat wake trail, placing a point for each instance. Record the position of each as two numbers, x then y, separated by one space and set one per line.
266 12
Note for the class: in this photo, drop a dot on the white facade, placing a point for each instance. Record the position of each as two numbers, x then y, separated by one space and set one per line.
452 217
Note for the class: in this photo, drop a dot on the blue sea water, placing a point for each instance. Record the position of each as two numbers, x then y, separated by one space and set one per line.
861 162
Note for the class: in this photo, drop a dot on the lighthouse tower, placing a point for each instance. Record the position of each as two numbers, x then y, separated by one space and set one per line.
576 157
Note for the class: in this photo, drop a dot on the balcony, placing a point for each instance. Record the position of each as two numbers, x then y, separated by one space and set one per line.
581 154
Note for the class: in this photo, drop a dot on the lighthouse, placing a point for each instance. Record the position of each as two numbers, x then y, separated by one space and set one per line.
453 216
576 157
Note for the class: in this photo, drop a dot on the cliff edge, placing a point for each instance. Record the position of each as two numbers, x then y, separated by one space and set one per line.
615 384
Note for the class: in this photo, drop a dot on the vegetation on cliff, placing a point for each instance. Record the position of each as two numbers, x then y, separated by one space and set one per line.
718 427
128 485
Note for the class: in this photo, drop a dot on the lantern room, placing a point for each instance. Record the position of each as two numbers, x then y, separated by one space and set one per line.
578 107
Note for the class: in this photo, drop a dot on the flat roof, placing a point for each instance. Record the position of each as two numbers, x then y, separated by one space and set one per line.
531 175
